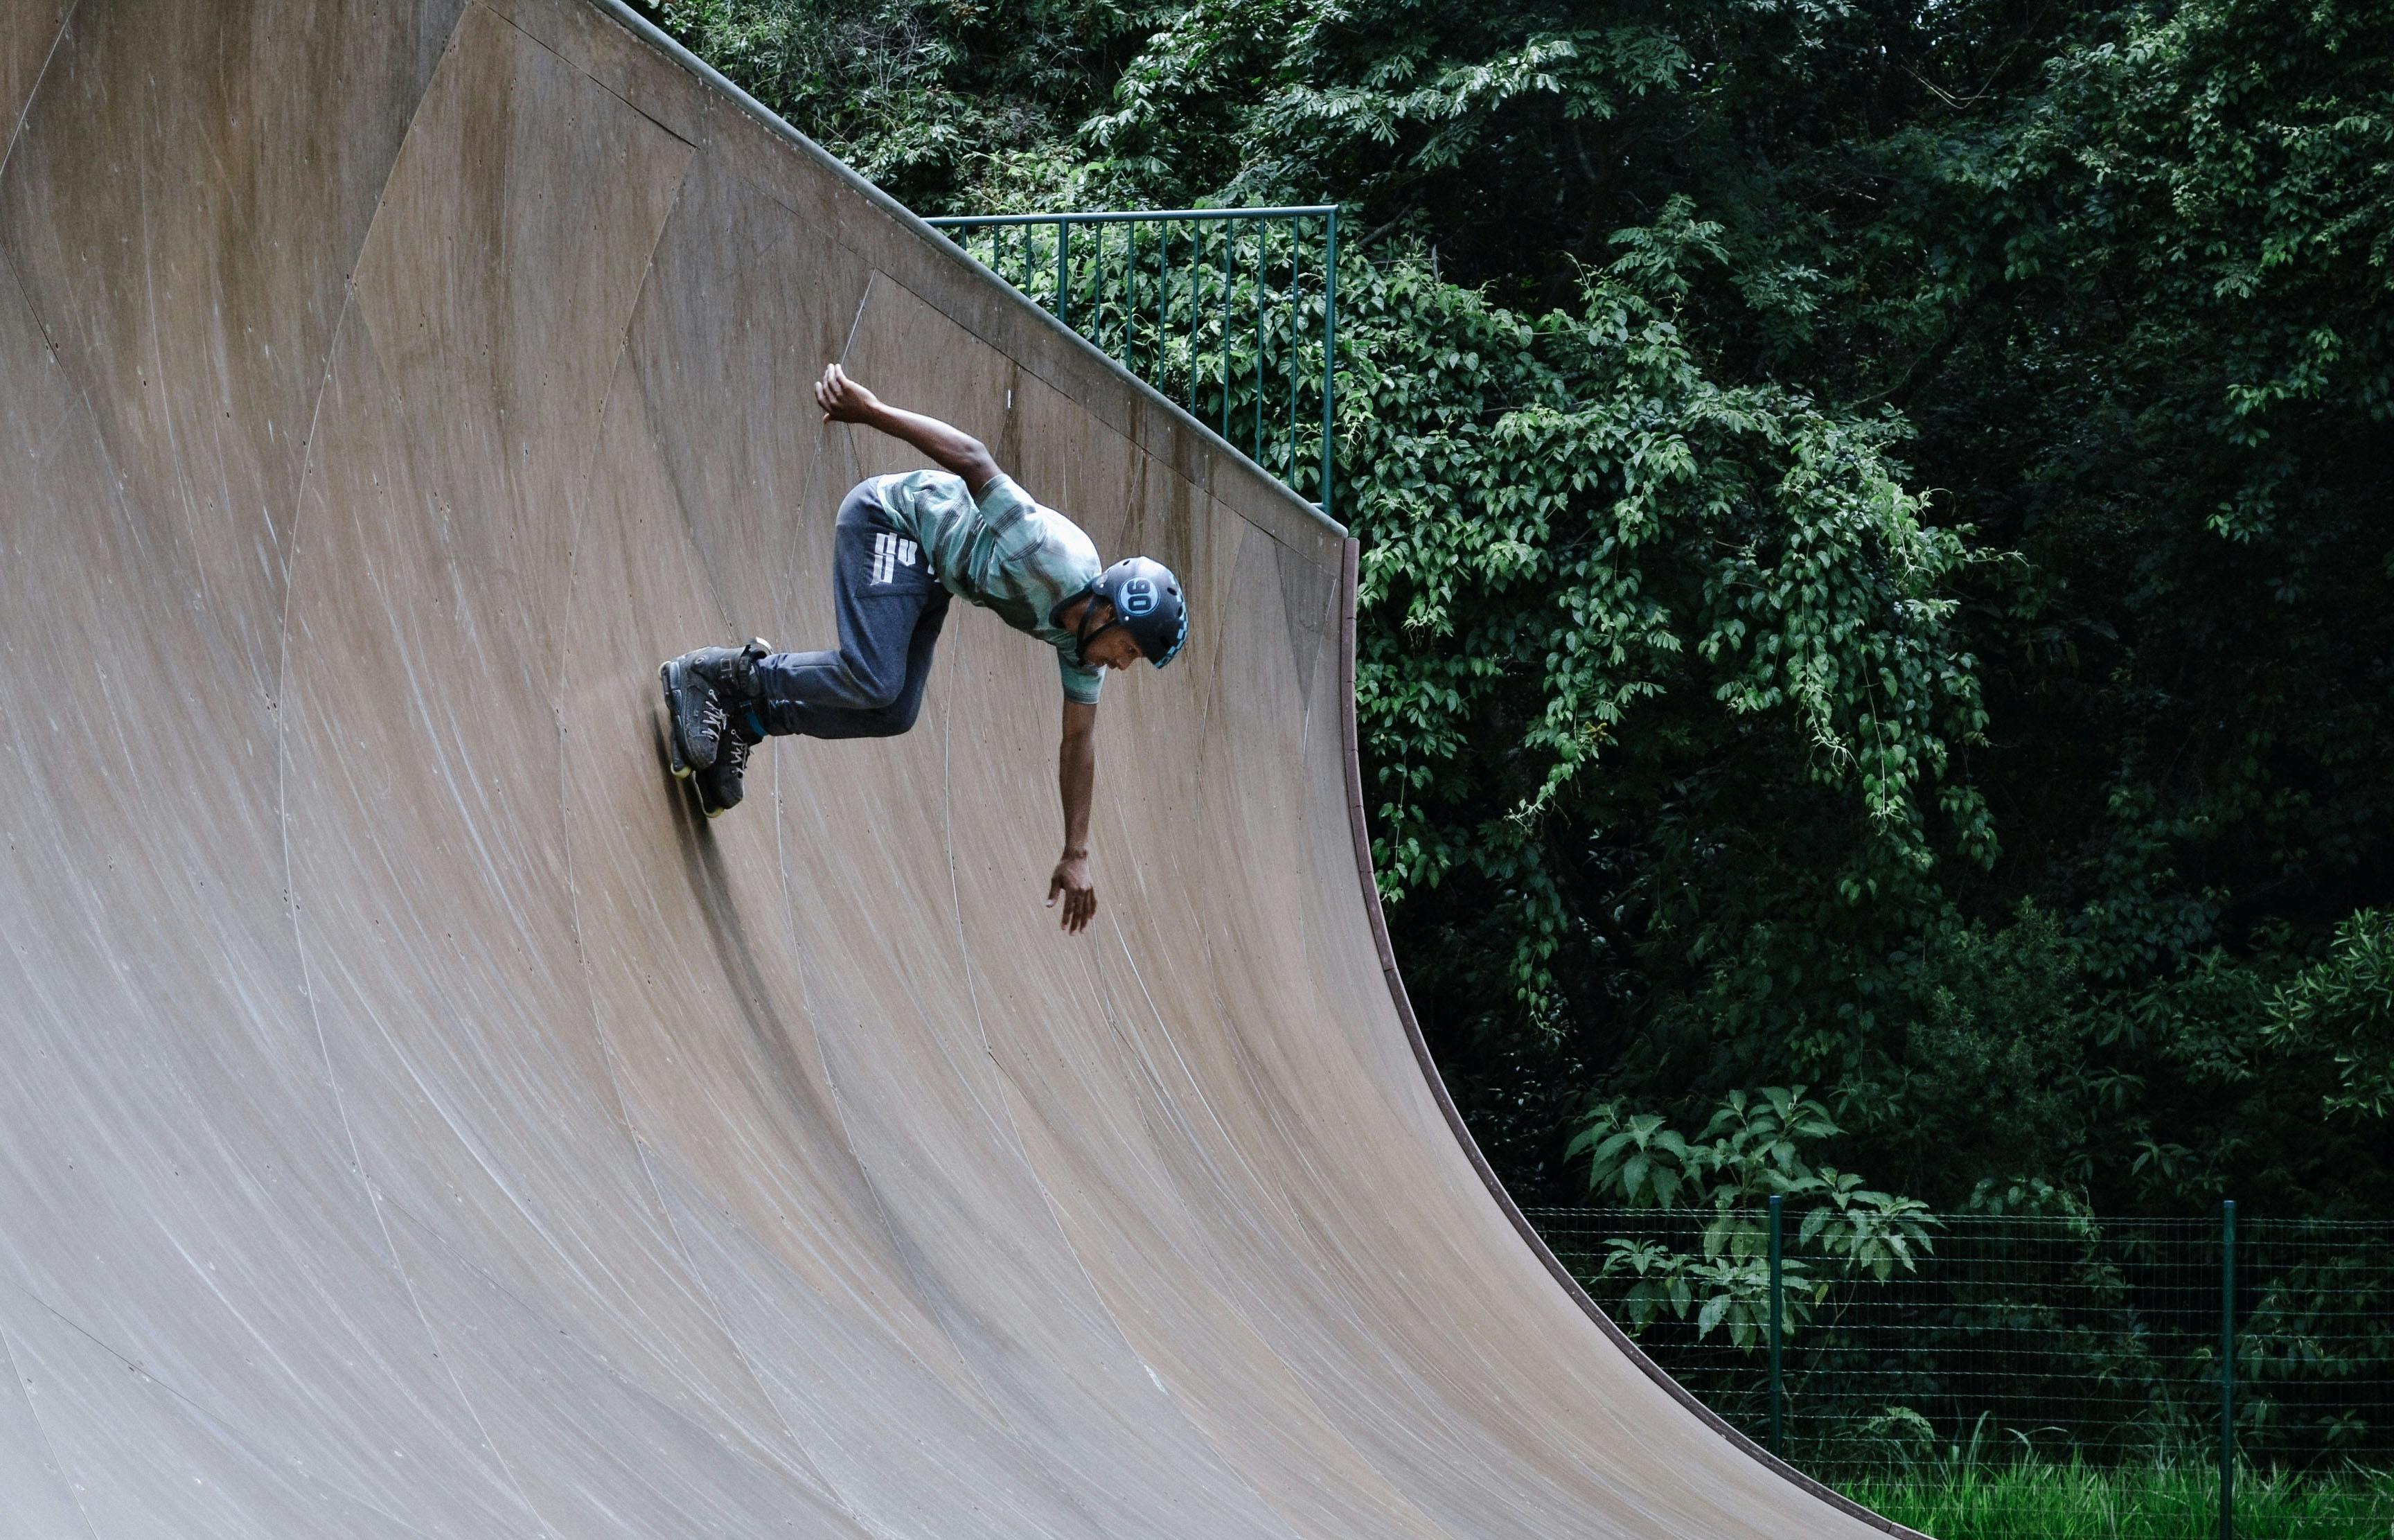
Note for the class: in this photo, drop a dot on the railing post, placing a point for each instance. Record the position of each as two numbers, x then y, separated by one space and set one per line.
1063 271
1295 352
1196 257
2228 1369
1262 230
1230 254
1778 1399
1329 350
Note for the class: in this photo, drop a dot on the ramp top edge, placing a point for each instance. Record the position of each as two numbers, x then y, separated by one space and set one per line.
657 37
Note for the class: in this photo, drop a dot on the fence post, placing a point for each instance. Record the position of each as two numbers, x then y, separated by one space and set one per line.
1777 1399
2228 1369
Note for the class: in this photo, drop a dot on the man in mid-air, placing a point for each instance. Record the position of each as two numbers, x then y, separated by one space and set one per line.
902 546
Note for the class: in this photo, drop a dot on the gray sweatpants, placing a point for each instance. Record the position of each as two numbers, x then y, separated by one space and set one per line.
890 608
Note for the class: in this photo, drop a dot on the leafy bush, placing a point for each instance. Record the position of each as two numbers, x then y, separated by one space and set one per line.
2345 1005
1751 1150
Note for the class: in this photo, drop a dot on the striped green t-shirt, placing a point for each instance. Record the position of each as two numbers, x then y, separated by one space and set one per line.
1003 552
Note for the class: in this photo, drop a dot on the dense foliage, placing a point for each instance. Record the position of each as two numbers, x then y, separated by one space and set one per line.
1877 534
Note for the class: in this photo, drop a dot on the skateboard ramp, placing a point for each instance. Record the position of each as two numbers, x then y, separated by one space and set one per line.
415 1122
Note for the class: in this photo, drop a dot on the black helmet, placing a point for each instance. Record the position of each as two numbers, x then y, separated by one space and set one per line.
1145 598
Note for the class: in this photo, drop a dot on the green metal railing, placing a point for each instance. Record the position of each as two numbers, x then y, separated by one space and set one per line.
2217 1375
1231 311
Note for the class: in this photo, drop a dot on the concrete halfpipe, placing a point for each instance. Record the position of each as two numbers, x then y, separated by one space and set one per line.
415 1122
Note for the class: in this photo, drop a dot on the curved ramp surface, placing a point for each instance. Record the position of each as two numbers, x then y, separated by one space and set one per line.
415 1122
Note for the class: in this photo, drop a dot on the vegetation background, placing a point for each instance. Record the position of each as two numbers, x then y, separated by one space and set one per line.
1878 544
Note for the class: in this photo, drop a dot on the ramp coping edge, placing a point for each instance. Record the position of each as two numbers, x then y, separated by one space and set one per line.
658 38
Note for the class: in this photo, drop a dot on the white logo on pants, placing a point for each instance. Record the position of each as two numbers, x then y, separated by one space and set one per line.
889 553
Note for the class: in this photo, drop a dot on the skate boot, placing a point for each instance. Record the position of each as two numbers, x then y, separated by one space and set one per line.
720 784
702 689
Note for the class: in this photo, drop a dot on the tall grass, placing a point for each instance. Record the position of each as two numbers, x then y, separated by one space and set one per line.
2028 1498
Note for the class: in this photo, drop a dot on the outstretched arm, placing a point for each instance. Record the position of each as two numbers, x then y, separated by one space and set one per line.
1076 779
956 450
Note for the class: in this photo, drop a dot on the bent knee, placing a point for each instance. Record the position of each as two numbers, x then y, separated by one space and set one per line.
869 690
890 720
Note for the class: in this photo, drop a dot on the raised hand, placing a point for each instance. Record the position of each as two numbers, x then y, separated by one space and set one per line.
842 400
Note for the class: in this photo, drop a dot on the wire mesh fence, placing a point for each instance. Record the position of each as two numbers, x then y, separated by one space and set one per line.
1231 312
2015 1375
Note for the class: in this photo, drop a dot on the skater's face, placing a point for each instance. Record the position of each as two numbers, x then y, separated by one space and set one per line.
1108 645
1115 649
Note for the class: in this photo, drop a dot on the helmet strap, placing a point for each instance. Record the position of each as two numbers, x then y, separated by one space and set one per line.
1084 633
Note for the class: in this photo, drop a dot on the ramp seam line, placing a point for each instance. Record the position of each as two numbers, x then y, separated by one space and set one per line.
101 446
1005 1108
221 1425
73 1494
899 1250
1293 1217
839 1102
308 463
872 280
640 1150
41 78
990 1411
83 399
119 501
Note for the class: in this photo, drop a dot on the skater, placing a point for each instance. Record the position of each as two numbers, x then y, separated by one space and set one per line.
902 546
